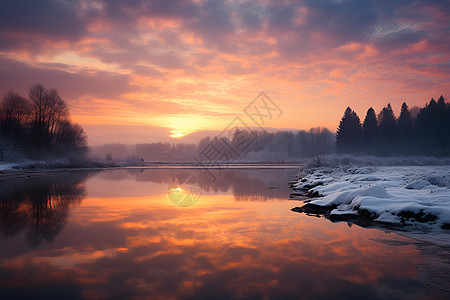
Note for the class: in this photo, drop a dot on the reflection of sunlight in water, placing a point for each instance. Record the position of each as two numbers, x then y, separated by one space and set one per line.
181 197
184 191
140 244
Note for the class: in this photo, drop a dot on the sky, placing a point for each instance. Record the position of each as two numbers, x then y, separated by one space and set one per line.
145 71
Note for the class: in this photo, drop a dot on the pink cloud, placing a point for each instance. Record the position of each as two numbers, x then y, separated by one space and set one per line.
205 57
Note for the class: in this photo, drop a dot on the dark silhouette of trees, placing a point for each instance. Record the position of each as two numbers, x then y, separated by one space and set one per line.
266 146
15 111
447 127
419 131
370 129
349 133
41 123
47 110
442 124
405 130
404 123
432 128
414 111
70 136
322 141
387 124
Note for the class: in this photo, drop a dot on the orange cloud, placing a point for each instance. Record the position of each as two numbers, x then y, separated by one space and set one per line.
200 61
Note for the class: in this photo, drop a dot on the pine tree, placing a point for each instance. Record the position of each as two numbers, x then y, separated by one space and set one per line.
442 124
426 127
348 137
370 126
404 124
404 131
447 128
441 102
387 123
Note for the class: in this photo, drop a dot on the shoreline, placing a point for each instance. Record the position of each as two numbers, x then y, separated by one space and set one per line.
18 169
411 201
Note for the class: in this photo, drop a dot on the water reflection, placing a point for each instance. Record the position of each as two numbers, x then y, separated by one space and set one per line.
184 190
244 184
127 240
39 205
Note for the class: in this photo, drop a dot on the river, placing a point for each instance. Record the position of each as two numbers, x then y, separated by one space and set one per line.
174 233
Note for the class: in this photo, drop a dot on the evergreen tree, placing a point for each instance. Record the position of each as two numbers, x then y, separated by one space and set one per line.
404 124
370 126
349 133
432 105
405 130
442 124
447 129
387 123
427 128
441 102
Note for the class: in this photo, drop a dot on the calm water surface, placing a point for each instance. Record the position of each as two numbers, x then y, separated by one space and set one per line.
187 234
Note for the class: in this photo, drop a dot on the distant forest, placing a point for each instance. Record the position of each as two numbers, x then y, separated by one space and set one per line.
264 146
39 125
416 131
419 131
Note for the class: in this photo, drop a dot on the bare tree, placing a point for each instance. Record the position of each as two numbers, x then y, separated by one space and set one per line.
57 111
15 111
71 136
36 94
41 124
47 110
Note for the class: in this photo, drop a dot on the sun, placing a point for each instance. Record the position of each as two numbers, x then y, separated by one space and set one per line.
176 135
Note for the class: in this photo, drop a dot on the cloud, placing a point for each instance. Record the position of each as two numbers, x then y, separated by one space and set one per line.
71 85
214 25
29 25
100 134
209 57
342 21
55 19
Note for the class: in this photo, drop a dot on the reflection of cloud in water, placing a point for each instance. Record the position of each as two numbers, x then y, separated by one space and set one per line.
245 185
189 260
218 249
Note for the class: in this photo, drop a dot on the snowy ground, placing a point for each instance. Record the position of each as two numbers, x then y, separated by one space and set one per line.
411 198
6 166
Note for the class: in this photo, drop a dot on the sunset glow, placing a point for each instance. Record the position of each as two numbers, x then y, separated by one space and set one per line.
164 69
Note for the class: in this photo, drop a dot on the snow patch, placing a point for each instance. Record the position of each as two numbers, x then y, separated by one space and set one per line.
6 166
417 185
414 197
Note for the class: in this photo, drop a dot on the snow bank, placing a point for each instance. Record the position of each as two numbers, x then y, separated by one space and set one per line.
413 197
340 160
6 166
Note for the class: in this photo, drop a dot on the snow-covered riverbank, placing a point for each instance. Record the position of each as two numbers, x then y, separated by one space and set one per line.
410 197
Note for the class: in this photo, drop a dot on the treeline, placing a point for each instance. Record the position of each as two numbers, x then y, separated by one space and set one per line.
39 124
166 151
263 145
316 141
145 152
240 145
416 131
